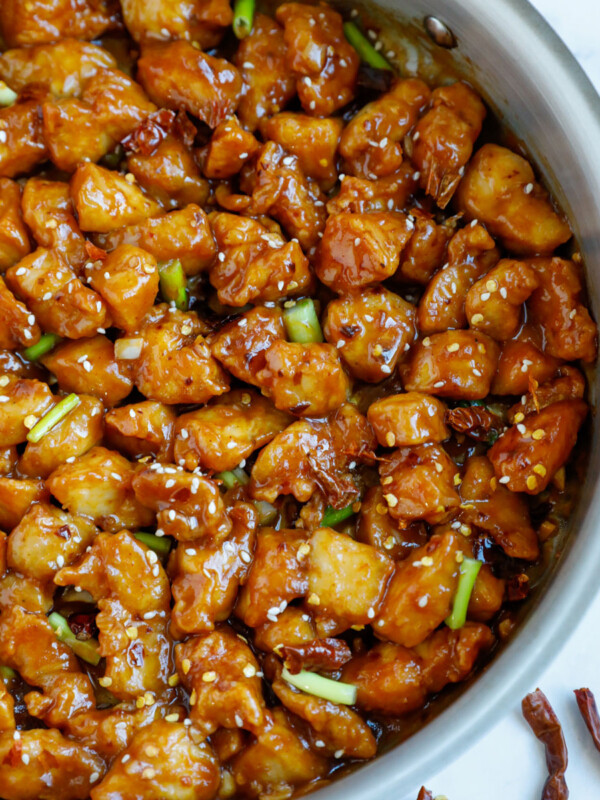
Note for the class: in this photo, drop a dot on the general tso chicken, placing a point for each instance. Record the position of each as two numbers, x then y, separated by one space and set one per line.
293 357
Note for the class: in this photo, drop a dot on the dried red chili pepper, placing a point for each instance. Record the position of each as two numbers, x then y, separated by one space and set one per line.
150 133
543 721
95 253
475 421
326 654
425 794
589 711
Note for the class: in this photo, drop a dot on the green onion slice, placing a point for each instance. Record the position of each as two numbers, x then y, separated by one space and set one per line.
469 569
233 477
53 417
312 683
160 544
243 17
7 674
47 342
301 322
364 48
173 283
267 513
87 649
7 96
333 516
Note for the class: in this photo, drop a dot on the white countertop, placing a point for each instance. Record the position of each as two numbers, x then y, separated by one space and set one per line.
508 763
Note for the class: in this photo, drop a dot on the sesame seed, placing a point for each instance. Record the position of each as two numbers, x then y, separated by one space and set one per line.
531 482
173 680
338 754
540 469
313 599
465 530
132 632
385 369
427 561
209 677
528 188
438 384
212 507
390 439
485 296
438 467
249 671
476 319
148 773
371 613
422 602
47 296
504 479
452 348
391 500
105 681
172 718
538 434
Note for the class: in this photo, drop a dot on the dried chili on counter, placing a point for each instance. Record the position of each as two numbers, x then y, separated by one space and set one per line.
542 720
589 711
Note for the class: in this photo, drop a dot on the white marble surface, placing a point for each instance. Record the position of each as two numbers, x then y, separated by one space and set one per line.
508 763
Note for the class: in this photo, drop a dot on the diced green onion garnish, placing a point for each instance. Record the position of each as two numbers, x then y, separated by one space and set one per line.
53 417
173 283
243 17
267 513
113 159
333 516
160 544
87 649
7 96
7 674
469 569
364 48
301 322
233 477
47 342
71 595
313 683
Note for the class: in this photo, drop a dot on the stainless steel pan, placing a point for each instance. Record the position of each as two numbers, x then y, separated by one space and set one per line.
538 90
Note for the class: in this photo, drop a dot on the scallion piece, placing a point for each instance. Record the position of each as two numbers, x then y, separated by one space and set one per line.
469 569
313 683
333 516
233 477
243 17
87 649
160 544
267 513
364 48
301 322
53 417
7 674
7 96
47 342
173 283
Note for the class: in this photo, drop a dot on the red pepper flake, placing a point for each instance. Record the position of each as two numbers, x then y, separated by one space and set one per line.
542 720
589 711
95 253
